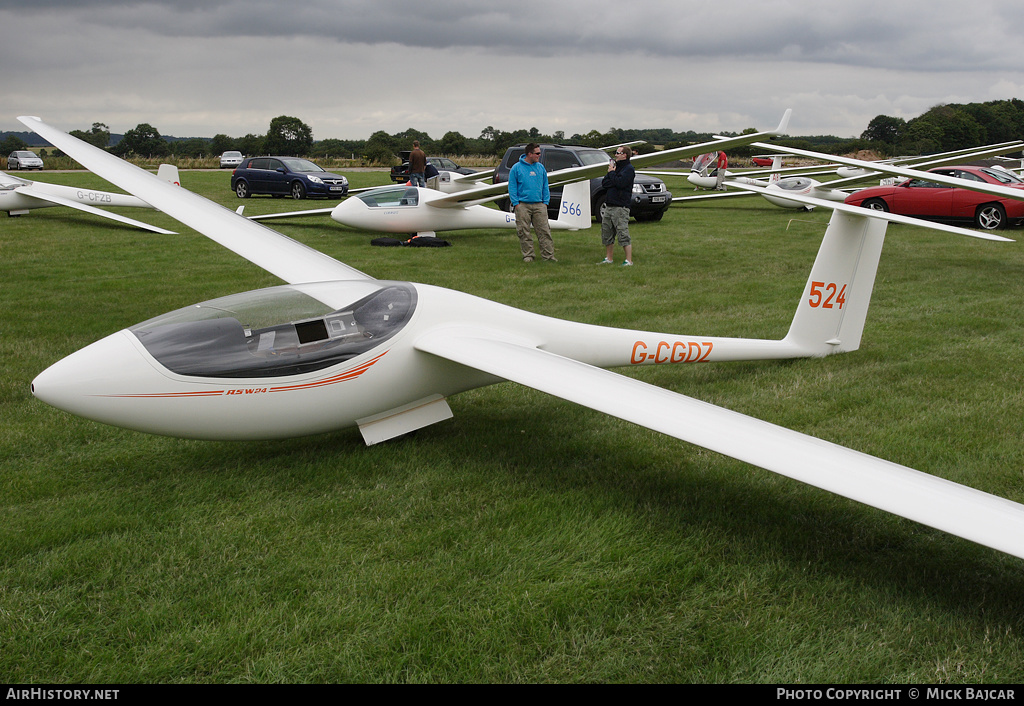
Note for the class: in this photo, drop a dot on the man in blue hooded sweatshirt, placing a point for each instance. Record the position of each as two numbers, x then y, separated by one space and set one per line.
529 194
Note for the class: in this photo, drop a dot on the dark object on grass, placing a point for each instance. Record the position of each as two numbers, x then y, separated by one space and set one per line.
417 241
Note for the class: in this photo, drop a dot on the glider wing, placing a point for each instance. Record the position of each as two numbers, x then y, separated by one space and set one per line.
972 514
288 259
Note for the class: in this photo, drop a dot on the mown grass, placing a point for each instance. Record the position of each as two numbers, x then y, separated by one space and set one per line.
527 539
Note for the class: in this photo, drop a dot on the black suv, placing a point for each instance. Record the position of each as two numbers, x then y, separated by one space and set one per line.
650 196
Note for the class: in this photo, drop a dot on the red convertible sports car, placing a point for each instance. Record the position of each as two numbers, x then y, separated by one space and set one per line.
925 199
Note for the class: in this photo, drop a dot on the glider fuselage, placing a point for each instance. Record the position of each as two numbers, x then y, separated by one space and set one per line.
12 199
408 209
278 363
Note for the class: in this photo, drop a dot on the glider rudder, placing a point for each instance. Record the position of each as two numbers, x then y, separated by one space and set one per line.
834 305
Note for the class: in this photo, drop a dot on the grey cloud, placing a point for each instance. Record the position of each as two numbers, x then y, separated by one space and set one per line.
935 35
192 67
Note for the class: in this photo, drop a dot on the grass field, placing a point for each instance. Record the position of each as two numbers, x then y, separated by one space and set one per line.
527 539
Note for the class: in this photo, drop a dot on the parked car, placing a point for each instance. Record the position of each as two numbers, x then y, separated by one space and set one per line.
926 199
400 174
284 176
230 160
23 159
651 198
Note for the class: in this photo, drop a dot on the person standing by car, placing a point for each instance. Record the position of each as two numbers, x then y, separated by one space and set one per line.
529 194
615 211
417 165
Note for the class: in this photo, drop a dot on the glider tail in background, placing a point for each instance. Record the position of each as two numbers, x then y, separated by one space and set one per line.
574 213
169 173
776 167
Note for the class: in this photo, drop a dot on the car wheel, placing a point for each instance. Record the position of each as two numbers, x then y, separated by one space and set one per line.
242 190
991 216
876 205
298 190
596 207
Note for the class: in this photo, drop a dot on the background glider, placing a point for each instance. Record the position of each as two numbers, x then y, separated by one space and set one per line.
18 196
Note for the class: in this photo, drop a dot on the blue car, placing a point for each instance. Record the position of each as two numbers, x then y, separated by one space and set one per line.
285 176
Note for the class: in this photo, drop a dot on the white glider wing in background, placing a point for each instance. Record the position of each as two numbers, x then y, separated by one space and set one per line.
288 259
384 356
906 172
786 183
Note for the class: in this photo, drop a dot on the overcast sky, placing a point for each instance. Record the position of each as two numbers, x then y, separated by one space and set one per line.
348 69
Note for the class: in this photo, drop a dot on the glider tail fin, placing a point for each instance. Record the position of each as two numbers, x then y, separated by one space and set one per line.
169 172
776 166
574 213
834 305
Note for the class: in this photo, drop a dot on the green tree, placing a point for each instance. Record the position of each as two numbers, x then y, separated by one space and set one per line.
221 143
452 143
884 128
98 135
288 136
250 145
403 140
921 137
144 141
379 149
338 148
12 143
191 147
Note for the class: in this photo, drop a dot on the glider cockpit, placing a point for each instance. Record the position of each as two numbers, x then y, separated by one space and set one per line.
391 196
278 331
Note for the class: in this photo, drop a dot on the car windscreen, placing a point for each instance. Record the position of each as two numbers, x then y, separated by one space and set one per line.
588 157
301 165
1003 177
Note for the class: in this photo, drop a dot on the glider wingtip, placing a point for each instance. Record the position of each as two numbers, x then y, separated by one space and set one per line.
784 123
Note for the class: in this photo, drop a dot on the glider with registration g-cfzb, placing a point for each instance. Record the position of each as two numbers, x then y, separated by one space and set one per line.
335 347
19 196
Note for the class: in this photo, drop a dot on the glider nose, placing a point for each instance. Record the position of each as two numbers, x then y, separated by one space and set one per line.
350 212
702 182
89 382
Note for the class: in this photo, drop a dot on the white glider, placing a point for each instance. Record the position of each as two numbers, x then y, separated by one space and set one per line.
19 196
335 348
424 211
410 209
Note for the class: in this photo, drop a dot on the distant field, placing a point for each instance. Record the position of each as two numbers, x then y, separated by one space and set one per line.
527 539
476 161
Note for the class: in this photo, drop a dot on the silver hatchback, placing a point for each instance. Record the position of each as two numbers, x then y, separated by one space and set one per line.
23 159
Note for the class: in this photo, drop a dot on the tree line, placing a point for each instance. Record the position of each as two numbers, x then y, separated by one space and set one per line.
948 127
942 128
